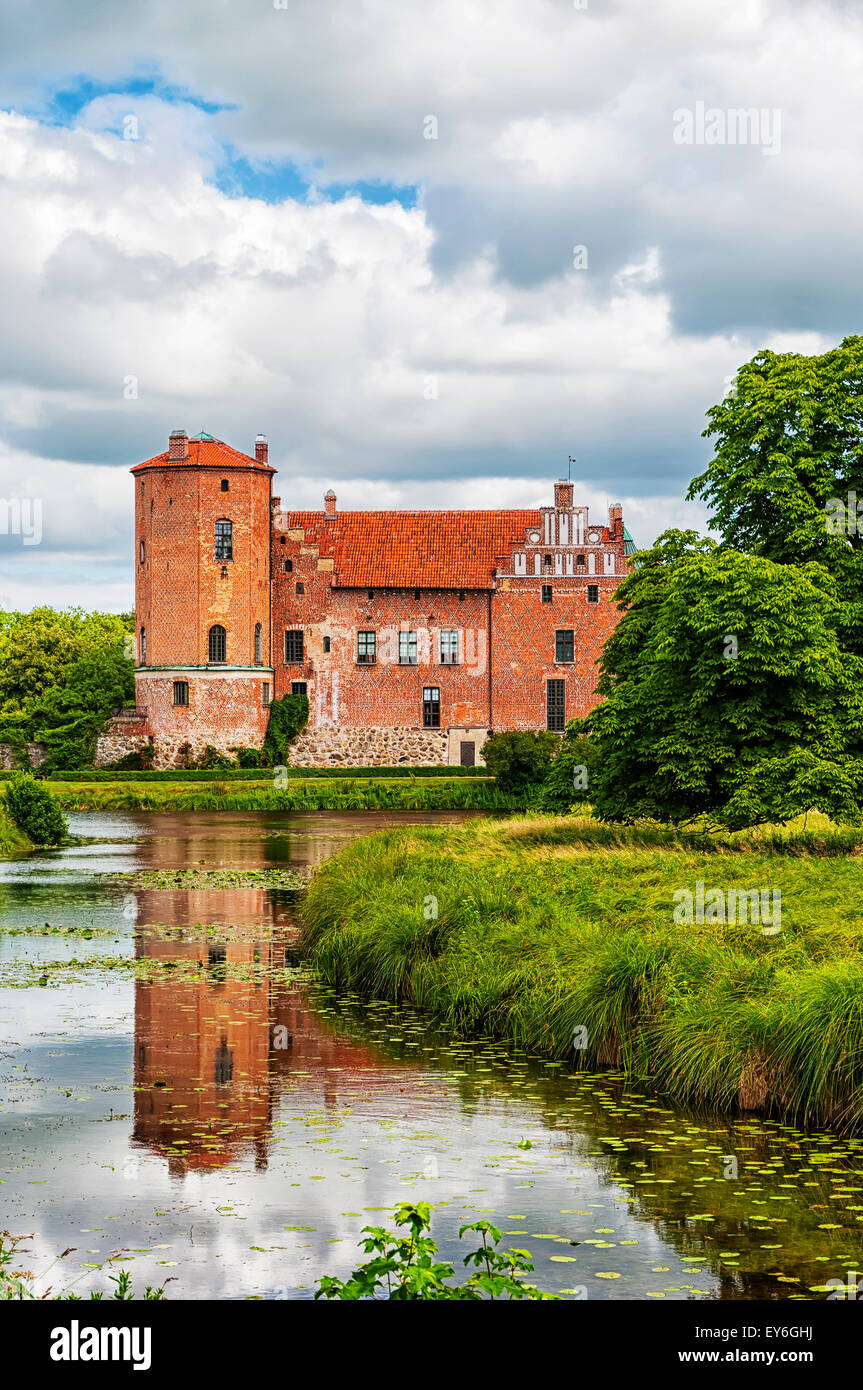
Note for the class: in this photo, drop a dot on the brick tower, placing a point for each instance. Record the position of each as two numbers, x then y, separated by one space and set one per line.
202 594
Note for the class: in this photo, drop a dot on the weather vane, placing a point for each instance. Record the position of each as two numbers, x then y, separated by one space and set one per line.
569 470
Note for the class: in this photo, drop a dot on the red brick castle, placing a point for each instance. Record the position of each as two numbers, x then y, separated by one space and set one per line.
414 634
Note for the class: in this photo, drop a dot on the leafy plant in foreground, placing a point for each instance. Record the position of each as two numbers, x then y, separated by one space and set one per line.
19 1284
404 1266
34 810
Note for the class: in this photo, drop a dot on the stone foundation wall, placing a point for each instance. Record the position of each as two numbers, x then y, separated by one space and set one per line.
119 737
8 760
328 747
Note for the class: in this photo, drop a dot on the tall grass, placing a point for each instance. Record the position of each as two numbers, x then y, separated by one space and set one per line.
433 794
539 933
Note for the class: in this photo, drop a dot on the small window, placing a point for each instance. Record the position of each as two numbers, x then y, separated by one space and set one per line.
461 595
366 648
299 688
224 485
143 646
547 561
265 694
294 645
301 588
259 646
218 644
564 645
142 552
593 593
371 593
289 567
326 644
579 562
449 647
407 649
417 595
546 593
555 705
281 540
431 707
181 692
224 540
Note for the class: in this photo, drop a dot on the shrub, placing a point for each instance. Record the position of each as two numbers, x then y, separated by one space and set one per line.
211 757
567 783
34 810
288 715
250 757
519 760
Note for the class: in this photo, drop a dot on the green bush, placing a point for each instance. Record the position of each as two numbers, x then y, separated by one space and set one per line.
567 783
288 715
34 810
520 760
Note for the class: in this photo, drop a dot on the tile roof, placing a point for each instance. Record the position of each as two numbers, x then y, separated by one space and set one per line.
206 452
426 550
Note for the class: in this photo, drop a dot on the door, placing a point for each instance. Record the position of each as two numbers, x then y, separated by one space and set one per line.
468 754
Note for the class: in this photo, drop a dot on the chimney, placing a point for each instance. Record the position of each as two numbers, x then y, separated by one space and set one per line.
178 445
262 448
615 519
563 495
330 503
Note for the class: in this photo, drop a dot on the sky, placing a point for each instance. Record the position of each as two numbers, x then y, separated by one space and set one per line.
430 248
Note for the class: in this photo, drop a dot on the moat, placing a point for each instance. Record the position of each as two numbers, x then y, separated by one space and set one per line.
176 1089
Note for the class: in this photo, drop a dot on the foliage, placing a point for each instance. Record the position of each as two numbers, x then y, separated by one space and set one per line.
568 780
13 841
404 1266
141 760
62 674
558 936
288 715
519 760
250 757
727 691
20 1284
261 773
34 810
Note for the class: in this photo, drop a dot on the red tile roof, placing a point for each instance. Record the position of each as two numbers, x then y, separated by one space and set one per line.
426 550
206 453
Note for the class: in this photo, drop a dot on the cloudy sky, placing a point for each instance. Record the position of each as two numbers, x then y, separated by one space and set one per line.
431 248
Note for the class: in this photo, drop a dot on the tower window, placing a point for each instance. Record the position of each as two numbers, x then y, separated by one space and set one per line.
181 692
371 594
218 644
461 595
449 646
546 593
407 649
546 560
299 688
294 645
593 593
564 645
224 485
431 707
258 645
555 705
326 644
579 562
224 540
265 694
142 551
289 567
143 646
301 588
417 595
366 648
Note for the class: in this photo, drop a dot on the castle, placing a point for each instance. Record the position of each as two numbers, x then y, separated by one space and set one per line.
414 634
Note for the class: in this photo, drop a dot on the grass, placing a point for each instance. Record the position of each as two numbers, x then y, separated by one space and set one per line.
550 933
13 842
328 794
239 774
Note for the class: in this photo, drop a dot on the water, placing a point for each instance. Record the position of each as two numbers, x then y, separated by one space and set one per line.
179 1092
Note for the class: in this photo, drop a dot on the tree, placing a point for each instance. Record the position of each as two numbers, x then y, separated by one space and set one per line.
728 691
519 760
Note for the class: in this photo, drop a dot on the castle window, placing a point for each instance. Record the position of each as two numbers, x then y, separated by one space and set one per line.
417 595
224 540
546 560
555 705
564 645
407 649
546 593
258 645
366 648
181 692
224 485
289 567
431 707
449 646
579 561
142 552
218 644
326 644
281 540
143 646
265 694
461 595
593 593
299 688
371 594
301 588
294 645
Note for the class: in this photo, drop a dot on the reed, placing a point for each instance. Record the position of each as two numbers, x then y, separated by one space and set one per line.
349 794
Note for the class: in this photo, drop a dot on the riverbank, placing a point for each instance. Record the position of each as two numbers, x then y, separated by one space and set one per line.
560 936
354 793
12 840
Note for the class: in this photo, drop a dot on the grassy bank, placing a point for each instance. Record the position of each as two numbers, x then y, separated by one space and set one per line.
560 936
314 794
12 840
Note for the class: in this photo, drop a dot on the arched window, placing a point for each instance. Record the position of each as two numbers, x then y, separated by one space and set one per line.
258 645
224 540
218 643
143 646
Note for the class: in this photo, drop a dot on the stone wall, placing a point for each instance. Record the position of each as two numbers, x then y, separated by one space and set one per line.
8 760
376 747
119 737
